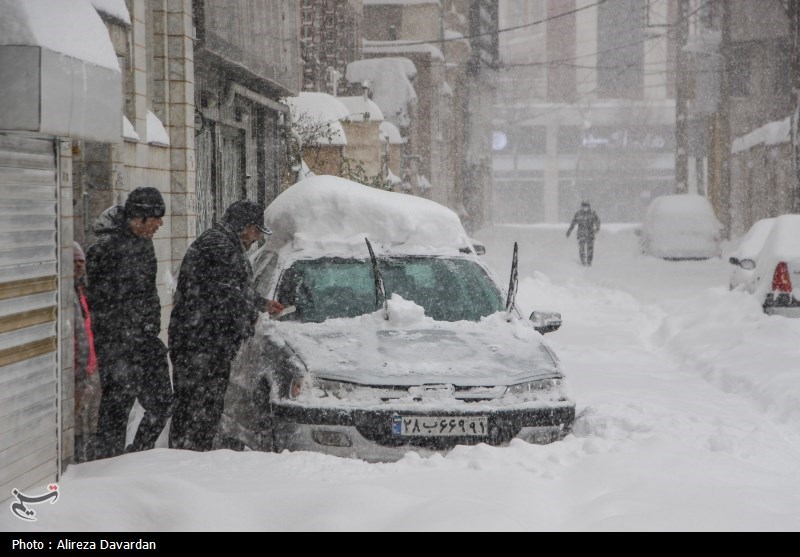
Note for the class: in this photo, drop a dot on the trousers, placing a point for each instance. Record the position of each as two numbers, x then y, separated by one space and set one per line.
201 379
586 251
142 376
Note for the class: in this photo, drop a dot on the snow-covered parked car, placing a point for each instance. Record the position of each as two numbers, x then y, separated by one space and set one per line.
681 227
743 257
400 339
775 280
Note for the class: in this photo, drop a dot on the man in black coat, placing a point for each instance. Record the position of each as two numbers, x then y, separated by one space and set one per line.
126 321
215 309
588 224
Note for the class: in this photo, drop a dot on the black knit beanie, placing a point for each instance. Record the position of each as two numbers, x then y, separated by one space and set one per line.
144 202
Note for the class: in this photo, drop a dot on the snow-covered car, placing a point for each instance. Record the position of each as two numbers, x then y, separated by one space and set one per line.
743 257
681 227
398 337
775 280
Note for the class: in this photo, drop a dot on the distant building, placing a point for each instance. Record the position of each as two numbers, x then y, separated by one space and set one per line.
330 38
585 110
452 45
759 107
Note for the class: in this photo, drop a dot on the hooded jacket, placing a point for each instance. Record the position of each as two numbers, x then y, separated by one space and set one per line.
588 224
121 269
215 307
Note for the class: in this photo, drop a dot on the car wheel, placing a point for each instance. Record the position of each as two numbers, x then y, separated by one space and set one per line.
231 443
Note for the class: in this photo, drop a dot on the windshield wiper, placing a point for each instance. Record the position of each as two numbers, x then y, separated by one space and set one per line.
380 289
513 282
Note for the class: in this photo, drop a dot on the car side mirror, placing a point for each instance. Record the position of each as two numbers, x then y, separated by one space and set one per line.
546 321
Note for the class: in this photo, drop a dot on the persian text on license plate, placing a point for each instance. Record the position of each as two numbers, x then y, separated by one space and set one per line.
440 426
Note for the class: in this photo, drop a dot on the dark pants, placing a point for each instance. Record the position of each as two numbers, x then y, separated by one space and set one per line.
140 372
125 379
201 379
586 250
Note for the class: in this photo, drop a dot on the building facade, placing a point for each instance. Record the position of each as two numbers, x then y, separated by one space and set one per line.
42 113
586 109
246 62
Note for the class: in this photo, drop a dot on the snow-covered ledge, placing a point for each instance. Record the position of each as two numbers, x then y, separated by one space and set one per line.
156 133
58 71
128 131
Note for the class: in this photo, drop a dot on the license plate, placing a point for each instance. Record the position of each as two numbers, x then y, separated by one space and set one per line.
441 426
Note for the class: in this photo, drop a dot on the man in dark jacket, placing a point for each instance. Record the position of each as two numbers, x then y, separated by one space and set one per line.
126 321
215 309
588 226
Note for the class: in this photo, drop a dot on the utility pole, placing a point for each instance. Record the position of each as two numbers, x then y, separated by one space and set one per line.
724 126
793 11
681 101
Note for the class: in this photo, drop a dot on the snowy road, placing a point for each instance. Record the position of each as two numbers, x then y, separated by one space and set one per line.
688 398
684 388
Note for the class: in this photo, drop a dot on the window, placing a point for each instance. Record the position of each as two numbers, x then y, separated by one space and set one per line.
781 85
740 70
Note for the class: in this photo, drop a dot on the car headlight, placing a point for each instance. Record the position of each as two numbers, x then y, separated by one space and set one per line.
535 386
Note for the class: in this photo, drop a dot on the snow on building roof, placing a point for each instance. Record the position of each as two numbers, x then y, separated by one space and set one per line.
390 132
358 107
70 28
115 9
337 213
768 134
380 47
321 107
390 79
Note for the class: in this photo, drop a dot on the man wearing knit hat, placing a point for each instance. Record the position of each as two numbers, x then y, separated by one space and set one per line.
215 309
126 321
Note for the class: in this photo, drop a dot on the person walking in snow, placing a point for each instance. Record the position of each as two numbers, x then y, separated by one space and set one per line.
215 310
126 321
588 224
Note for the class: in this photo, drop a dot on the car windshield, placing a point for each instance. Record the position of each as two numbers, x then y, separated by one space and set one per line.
330 287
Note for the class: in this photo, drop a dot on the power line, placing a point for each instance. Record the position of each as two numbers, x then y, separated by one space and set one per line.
505 30
624 68
670 29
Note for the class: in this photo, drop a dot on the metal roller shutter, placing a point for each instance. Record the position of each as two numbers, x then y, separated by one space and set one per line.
28 311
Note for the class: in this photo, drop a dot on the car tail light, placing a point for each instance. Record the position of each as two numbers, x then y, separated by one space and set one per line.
780 280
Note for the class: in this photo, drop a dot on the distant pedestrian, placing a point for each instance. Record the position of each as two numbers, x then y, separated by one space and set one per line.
87 379
588 224
126 321
215 309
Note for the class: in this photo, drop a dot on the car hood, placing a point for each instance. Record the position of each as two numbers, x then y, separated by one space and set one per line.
364 350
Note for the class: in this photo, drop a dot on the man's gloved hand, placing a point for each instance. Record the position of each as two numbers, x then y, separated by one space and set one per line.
273 307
